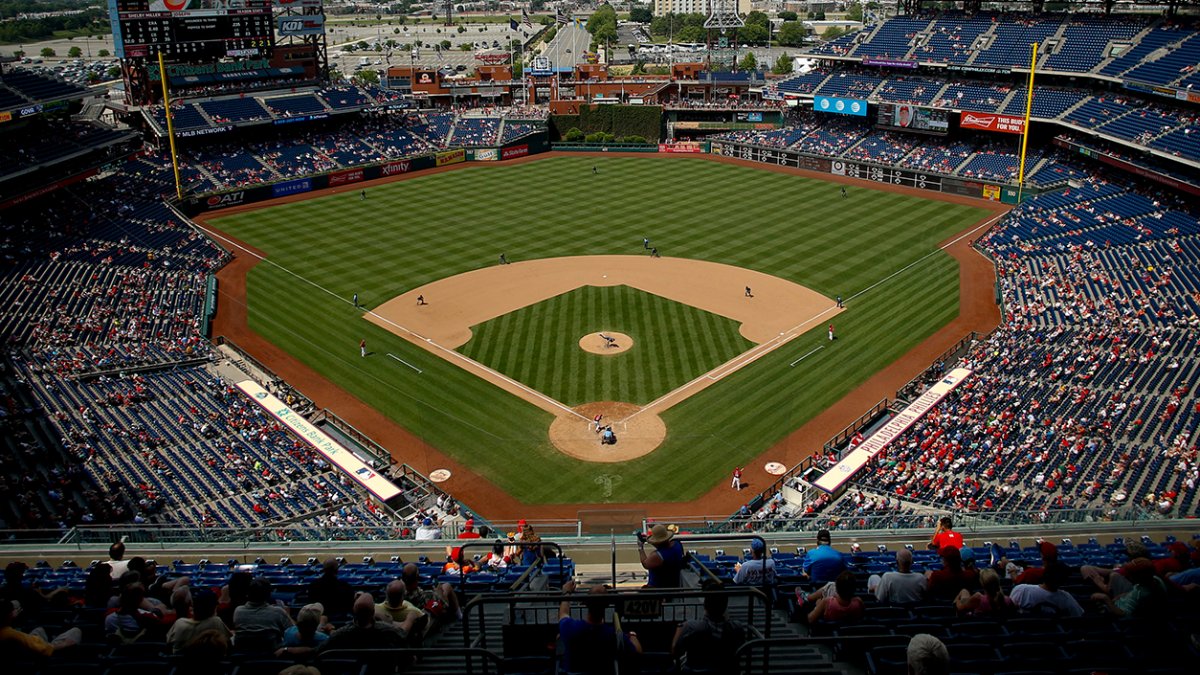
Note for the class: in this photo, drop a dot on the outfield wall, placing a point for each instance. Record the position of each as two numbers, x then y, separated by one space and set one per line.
197 204
876 173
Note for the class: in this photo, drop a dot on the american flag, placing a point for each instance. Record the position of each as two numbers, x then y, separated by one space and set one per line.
525 20
560 18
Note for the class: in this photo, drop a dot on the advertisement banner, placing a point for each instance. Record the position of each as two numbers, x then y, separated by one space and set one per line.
337 454
1008 124
515 151
450 157
5 117
840 106
978 69
890 63
991 192
844 470
291 187
203 131
395 168
683 147
294 24
487 155
227 199
344 177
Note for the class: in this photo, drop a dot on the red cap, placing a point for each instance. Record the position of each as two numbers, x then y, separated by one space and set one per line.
1049 551
521 523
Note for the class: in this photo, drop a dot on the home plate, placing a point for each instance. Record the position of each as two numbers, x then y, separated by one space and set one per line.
774 468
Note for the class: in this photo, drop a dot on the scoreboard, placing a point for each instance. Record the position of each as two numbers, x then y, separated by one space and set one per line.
191 29
905 117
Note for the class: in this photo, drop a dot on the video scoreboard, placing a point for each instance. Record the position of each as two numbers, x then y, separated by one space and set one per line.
191 29
905 117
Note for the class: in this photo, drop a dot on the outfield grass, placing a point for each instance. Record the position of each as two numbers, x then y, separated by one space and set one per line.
673 343
409 233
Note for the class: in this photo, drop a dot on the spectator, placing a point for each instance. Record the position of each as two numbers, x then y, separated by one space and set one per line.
468 531
990 602
204 653
439 602
927 655
901 587
1146 597
259 625
592 646
531 544
664 564
428 531
333 594
1030 575
309 631
751 571
18 646
1047 597
98 587
29 599
840 606
953 577
233 596
945 535
364 632
116 560
201 616
132 621
823 564
401 610
708 644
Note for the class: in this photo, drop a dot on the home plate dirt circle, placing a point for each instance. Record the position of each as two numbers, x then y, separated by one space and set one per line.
636 436
593 343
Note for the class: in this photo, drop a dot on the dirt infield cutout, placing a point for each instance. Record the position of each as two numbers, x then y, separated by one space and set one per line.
771 311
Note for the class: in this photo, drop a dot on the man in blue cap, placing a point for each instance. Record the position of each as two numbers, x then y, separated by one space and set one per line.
751 571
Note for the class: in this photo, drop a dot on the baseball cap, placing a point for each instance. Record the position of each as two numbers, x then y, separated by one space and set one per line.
1049 551
950 553
757 545
427 521
967 554
823 536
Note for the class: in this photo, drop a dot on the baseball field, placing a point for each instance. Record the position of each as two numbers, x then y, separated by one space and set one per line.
495 357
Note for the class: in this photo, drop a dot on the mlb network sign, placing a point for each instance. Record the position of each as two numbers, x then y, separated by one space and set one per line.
840 106
302 25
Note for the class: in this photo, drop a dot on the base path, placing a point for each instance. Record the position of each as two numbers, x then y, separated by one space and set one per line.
977 312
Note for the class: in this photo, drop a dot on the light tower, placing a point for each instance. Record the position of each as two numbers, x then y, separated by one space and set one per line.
722 24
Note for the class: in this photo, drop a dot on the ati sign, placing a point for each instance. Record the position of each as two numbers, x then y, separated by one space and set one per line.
227 199
1008 124
394 168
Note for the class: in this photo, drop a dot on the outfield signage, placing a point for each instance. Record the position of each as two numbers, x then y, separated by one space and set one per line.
487 155
840 106
301 118
450 157
226 199
515 151
1008 124
681 147
890 63
344 177
297 24
394 168
887 174
337 454
203 131
291 187
776 156
837 475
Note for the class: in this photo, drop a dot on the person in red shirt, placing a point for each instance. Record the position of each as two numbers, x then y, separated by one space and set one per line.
945 535
468 531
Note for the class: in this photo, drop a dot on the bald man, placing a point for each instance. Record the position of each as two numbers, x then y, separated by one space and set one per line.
901 587
396 606
363 632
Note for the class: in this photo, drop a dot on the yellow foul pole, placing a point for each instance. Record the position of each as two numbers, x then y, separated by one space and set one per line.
162 76
1025 129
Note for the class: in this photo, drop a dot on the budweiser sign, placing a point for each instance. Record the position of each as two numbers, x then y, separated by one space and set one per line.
1008 124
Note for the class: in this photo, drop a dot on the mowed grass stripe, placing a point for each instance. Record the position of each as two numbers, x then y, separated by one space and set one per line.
433 226
671 339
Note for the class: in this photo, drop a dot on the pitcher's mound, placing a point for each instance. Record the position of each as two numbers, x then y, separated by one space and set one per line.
593 343
636 436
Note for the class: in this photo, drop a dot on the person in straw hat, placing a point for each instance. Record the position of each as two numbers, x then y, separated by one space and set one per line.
666 561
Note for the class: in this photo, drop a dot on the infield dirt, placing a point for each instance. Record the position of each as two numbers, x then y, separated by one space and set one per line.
977 312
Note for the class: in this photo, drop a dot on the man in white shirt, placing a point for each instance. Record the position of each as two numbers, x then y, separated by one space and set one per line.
428 531
1046 596
751 571
901 587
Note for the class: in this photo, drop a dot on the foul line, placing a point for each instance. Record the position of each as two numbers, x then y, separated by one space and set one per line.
471 362
741 361
793 363
419 371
